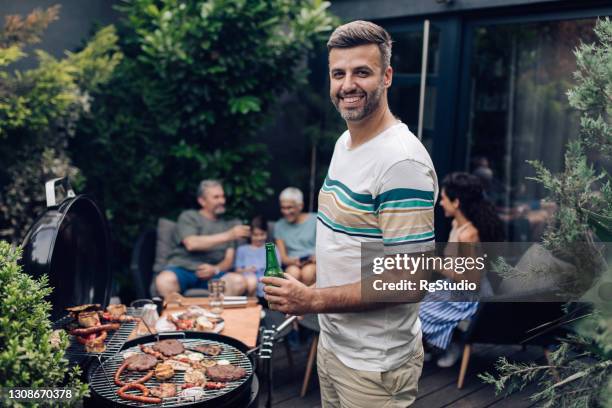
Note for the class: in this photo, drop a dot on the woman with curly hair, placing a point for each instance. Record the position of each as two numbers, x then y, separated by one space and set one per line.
474 220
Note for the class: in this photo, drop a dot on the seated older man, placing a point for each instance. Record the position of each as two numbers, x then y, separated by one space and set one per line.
205 246
295 236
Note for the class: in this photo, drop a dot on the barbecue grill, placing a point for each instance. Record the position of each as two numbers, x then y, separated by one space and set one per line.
235 393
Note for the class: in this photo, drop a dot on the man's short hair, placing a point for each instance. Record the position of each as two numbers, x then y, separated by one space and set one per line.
292 194
206 184
361 32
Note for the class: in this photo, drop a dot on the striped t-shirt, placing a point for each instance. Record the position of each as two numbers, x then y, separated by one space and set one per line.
383 190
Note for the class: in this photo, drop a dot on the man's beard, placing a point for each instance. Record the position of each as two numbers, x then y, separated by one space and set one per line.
357 114
220 210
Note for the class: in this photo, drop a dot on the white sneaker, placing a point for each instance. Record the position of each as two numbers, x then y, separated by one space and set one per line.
450 357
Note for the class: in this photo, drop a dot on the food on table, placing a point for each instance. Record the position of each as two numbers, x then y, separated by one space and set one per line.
165 390
122 393
225 373
164 371
212 350
169 348
203 324
182 324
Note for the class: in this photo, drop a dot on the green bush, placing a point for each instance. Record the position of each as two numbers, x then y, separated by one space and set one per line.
27 358
197 83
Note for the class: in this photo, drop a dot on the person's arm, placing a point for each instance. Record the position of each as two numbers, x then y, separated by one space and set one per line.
282 250
291 296
228 261
205 242
207 271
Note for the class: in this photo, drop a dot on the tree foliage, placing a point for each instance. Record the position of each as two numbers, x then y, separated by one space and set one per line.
38 111
198 81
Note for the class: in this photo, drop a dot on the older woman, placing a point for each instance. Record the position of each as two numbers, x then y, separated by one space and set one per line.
295 236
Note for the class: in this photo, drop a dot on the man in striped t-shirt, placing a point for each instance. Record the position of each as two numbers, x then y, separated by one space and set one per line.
381 186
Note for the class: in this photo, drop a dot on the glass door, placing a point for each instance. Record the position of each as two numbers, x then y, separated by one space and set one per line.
519 75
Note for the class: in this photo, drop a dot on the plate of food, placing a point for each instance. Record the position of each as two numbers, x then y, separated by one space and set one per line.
195 319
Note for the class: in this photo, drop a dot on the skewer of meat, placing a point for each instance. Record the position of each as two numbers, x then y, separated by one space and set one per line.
121 392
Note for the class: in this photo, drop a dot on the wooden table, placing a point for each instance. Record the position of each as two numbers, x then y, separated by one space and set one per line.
240 323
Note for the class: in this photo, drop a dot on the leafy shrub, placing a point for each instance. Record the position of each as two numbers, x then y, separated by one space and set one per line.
38 110
27 358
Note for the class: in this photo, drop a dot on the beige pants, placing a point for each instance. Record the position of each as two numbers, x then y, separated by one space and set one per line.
344 387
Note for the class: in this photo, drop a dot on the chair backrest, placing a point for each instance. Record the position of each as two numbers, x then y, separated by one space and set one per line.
149 256
165 243
141 266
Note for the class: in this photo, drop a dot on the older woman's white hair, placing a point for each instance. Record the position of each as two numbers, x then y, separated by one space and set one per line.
292 194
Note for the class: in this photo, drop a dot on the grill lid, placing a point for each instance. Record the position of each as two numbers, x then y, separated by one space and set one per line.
70 244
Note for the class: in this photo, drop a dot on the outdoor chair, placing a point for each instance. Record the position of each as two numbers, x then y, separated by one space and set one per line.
149 258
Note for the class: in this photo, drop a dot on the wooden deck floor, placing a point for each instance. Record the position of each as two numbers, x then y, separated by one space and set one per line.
437 386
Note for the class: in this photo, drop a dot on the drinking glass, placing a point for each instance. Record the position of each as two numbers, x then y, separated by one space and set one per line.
216 287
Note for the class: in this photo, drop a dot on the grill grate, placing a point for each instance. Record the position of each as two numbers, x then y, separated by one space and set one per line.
76 354
101 382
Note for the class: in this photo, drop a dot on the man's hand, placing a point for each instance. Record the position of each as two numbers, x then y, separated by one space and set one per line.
206 271
289 295
240 231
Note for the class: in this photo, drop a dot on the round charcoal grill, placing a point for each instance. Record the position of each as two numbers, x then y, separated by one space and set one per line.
104 390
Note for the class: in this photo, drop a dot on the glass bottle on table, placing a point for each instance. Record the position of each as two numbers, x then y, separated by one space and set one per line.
273 269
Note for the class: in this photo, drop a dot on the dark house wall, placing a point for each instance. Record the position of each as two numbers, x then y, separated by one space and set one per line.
379 9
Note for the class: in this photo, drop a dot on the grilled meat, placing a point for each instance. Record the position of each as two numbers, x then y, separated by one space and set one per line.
116 310
225 373
164 371
165 390
208 349
169 348
89 319
195 377
83 308
141 362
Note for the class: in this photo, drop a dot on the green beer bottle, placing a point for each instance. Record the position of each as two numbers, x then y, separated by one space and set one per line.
272 267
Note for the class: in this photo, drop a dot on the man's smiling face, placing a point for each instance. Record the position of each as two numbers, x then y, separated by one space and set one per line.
357 80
